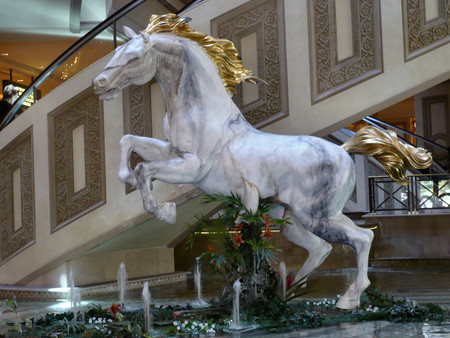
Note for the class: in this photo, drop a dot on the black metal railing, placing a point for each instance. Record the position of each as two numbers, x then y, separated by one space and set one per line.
104 25
424 192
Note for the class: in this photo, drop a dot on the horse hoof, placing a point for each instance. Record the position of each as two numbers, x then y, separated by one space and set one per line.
347 303
168 213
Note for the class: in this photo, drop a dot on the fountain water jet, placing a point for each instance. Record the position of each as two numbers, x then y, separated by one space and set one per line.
236 324
122 283
72 290
147 298
198 285
283 276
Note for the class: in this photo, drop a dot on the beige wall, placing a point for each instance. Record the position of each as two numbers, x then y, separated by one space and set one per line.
398 81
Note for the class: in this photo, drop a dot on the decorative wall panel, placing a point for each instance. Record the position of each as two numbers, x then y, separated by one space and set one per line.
420 35
266 19
328 74
137 118
66 204
18 154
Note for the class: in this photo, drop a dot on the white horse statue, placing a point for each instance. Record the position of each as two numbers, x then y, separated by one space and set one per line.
211 145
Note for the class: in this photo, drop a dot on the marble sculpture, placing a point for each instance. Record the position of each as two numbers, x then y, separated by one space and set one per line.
211 145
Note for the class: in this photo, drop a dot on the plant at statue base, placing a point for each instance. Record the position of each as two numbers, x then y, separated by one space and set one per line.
240 247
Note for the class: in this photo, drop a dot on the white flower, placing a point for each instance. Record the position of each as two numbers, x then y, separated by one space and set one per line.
307 303
192 327
110 320
90 320
213 326
175 323
375 309
185 321
183 325
178 328
333 301
338 296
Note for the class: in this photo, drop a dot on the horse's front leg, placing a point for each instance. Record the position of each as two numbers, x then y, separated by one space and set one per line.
149 149
182 169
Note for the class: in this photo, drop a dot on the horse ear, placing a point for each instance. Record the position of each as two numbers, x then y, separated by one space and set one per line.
129 32
146 37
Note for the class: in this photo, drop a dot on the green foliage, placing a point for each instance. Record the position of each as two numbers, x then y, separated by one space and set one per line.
240 246
68 326
407 310
96 310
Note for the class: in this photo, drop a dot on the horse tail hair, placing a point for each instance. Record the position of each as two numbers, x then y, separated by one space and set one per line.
385 147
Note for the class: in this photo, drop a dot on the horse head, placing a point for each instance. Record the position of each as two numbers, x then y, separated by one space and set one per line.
132 63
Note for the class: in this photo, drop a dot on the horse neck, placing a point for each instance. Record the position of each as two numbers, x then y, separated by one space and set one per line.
189 79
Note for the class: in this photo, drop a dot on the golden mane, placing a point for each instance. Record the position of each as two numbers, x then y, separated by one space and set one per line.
222 52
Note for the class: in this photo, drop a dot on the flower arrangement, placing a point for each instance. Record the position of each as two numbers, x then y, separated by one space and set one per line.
240 246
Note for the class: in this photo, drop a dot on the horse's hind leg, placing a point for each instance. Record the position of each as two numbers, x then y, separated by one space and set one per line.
318 249
341 229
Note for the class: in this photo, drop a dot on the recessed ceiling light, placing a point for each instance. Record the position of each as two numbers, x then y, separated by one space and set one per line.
19 80
4 54
41 67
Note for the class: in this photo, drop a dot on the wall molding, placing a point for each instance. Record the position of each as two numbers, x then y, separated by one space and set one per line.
67 205
137 117
266 19
330 76
17 154
420 36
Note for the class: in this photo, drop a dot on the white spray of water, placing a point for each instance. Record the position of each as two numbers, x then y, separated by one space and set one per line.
283 276
77 308
122 283
147 298
198 280
236 324
72 290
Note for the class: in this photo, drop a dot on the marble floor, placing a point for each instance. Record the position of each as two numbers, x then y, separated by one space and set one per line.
424 284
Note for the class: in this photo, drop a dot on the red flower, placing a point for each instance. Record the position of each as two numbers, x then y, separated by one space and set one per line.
267 220
288 282
238 239
210 248
115 309
267 231
239 226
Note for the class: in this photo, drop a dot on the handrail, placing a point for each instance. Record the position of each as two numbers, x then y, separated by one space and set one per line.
66 54
69 52
369 119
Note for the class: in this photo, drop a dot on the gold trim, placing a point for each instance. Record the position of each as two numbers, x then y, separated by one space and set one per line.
222 52
385 147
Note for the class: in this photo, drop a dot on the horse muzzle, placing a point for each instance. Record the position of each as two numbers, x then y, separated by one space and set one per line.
102 88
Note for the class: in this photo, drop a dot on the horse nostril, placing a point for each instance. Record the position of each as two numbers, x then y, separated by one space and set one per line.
100 82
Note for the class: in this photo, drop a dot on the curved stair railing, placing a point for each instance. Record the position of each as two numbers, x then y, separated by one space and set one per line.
104 25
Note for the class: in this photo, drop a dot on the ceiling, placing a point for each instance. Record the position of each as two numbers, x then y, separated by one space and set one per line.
33 33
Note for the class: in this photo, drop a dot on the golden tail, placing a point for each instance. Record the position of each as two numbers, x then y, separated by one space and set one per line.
394 155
